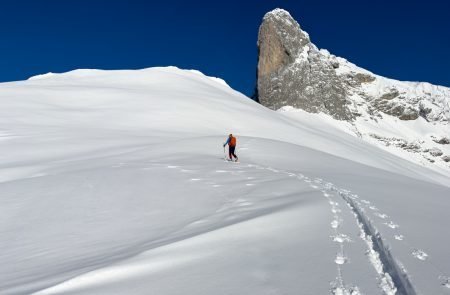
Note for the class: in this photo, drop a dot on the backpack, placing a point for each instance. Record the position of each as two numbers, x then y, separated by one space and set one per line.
232 141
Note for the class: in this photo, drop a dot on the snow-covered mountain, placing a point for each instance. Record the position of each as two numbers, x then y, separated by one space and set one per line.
114 182
410 119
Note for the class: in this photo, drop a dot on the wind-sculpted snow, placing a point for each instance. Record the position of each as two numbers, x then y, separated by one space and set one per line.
115 183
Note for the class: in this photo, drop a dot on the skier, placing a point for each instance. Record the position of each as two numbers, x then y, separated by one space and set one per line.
231 141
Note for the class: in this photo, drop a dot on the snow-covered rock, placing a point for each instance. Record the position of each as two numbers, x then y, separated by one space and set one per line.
292 71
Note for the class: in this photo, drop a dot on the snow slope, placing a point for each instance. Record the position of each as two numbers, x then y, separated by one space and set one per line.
412 140
416 140
114 182
376 100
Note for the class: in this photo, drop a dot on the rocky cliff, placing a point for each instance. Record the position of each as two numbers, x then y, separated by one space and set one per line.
411 119
293 71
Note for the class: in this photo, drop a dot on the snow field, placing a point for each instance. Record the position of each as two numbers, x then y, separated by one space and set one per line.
114 182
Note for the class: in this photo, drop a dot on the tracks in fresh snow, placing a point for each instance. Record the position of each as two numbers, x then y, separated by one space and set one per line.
380 251
392 276
339 286
375 250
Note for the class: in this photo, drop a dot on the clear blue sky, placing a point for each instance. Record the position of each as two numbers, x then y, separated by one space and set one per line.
407 40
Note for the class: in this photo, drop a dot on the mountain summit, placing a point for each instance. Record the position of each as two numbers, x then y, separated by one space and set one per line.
293 72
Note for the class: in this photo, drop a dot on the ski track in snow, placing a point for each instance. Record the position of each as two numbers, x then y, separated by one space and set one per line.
392 277
338 286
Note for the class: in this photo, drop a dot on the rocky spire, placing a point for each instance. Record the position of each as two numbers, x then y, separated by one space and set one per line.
291 70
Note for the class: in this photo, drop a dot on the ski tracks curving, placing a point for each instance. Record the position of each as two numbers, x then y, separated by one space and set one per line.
392 276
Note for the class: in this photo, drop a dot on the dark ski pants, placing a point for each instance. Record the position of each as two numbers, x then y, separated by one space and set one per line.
231 152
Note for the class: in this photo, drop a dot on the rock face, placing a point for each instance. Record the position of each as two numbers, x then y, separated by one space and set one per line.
294 74
292 71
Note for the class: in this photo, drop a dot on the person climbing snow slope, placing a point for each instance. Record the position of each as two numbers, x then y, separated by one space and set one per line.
231 141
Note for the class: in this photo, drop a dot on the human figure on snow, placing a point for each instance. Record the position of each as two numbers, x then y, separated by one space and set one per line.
231 141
